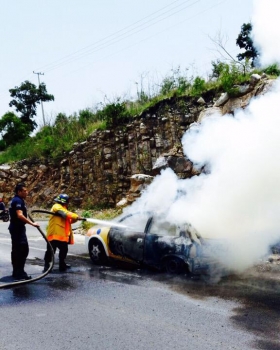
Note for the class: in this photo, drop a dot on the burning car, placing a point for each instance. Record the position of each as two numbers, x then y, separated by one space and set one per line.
145 239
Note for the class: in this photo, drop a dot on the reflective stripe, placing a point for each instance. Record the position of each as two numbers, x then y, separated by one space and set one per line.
57 238
60 227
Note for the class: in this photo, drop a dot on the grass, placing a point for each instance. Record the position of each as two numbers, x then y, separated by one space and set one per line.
52 141
105 214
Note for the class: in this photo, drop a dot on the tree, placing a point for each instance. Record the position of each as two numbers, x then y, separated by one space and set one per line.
12 130
220 41
26 97
218 67
244 41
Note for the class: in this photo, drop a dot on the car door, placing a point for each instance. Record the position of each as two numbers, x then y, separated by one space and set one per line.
128 241
159 241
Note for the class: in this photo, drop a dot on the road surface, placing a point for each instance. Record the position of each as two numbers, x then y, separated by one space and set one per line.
118 308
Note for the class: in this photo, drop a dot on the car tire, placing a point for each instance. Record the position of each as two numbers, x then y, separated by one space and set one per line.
173 265
96 252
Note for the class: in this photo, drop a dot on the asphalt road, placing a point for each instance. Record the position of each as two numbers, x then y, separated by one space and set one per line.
116 307
37 248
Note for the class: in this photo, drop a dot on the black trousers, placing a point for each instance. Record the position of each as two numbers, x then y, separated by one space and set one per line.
18 256
20 249
63 250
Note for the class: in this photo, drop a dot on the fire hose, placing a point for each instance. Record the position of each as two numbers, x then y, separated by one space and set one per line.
22 282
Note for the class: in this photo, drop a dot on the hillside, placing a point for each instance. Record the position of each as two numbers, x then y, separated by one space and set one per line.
97 172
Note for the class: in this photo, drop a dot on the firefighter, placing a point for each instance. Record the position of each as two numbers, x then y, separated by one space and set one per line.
59 231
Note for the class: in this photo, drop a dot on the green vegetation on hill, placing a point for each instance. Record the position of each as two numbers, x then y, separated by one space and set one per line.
54 140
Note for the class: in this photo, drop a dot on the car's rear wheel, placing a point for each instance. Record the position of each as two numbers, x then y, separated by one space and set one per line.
96 252
174 265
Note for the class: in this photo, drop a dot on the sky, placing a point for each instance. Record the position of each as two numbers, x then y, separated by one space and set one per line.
96 51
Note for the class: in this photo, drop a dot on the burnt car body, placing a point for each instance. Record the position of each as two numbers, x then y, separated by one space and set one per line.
147 240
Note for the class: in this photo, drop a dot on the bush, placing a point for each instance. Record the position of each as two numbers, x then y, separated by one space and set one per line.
231 75
273 70
2 145
176 83
198 87
217 68
85 116
86 225
114 114
167 85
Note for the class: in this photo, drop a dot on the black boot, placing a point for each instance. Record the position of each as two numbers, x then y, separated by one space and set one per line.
22 275
26 276
63 266
15 273
46 267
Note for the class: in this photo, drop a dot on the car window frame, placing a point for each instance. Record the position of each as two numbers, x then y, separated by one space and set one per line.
148 222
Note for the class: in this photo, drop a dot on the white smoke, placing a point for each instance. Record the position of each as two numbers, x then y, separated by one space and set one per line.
266 33
238 200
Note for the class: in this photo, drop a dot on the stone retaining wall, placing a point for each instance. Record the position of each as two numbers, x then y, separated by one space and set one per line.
97 172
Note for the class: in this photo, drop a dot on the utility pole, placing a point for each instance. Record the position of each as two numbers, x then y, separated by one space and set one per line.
41 100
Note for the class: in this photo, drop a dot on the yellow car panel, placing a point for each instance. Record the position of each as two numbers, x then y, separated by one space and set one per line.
102 234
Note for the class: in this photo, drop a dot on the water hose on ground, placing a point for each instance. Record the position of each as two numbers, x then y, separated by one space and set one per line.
22 282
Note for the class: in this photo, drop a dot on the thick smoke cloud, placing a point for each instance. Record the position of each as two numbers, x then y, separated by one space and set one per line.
238 198
266 33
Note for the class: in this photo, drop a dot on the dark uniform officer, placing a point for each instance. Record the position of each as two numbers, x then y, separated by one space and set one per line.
18 219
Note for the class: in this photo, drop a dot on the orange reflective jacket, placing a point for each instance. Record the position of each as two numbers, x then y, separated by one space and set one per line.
59 227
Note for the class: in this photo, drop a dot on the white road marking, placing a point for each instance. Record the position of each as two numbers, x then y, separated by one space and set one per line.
43 250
